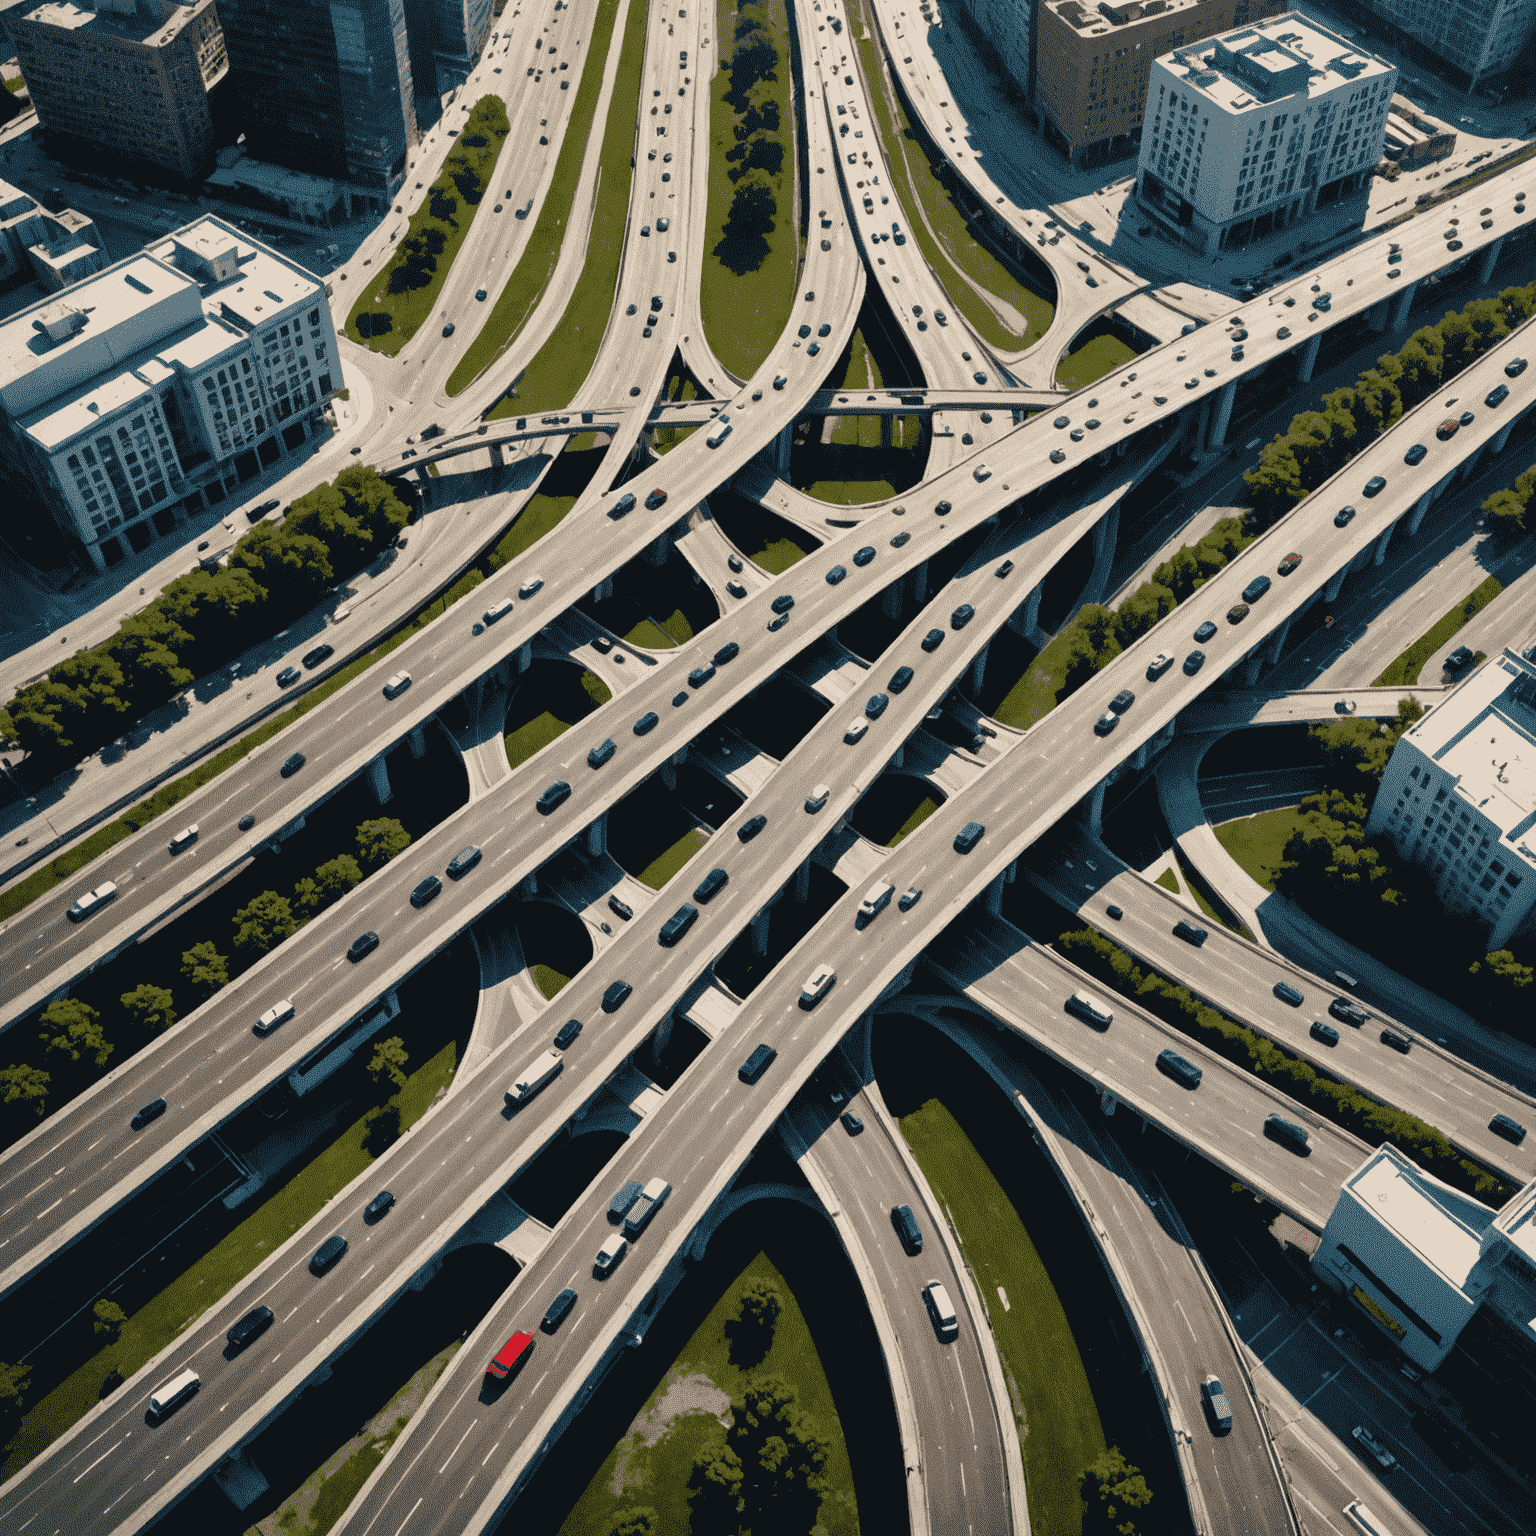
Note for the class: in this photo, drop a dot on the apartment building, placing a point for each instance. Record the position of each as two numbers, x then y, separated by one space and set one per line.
1481 38
1459 795
131 76
158 385
1009 29
1249 131
1092 61
54 249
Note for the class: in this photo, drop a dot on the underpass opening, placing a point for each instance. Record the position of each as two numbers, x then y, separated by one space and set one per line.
777 717
763 537
659 825
545 702
1106 343
669 1050
563 1170
779 928
656 601
555 942
893 807
312 1464
681 385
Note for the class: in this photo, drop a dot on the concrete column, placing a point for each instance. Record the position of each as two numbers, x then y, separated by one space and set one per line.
531 885
1223 413
1030 612
657 553
664 1031
920 583
1277 644
680 756
890 599
669 775
1197 448
525 656
803 882
978 669
597 836
1251 667
1404 304
1442 486
1105 532
1380 552
885 430
378 780
1490 256
782 445
1376 315
1096 808
899 756
498 458
760 932
1139 757
418 741
1414 518
992 897
1308 359
1469 464
1502 436
1011 873
1107 1101
98 559
422 474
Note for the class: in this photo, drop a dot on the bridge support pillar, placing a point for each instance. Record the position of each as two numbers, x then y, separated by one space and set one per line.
531 885
1105 532
1139 759
992 897
1414 518
1223 413
1107 1101
418 741
597 836
655 555
863 1036
1252 666
498 458
1121 446
899 756
1335 584
760 932
885 430
1404 304
1202 425
1442 486
424 1276
378 780
1026 617
1096 808
1502 436
782 445
1277 645
978 669
920 583
1380 552
1308 360
1377 315
1469 464
803 882
669 774
1490 256
890 599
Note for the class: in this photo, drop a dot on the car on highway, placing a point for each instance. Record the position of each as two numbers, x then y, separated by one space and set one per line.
736 588
1398 1042
251 1326
1289 564
376 1207
1343 517
151 1111
397 685
288 676
817 985
942 508
609 1255
851 1122
1205 631
1344 706
646 722
816 799
551 799
1184 1072
1105 723
1237 613
1415 454
1373 1448
1058 456
782 603
662 225
364 944
716 879
864 555
656 499
856 732
875 707
968 836
565 1036
601 753
933 640
1159 664
1122 701
255 514
530 586
941 1310
497 611
897 540
1347 1011
620 909
727 652
899 679
1462 656
1375 485
981 472
1324 1034
327 1255
291 764
448 329
1511 1130
836 574
1256 589
1515 367
1288 1134
701 675
961 616
756 1064
89 902
557 1311
1218 1407
422 893
1191 933
750 828
1289 994
908 1233
1447 428
625 503
909 898
480 294
613 997
1115 912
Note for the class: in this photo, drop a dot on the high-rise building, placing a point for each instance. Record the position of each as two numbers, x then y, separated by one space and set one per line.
156 386
131 76
1092 61
54 249
1480 37
1250 130
325 88
1009 29
1459 795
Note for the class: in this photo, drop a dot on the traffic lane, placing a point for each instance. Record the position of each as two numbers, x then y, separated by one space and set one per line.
1240 979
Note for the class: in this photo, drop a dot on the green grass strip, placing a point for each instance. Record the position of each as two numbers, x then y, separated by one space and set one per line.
224 1266
557 371
666 864
850 493
70 862
536 266
535 520
1092 360
1406 669
1033 697
469 167
957 259
1258 842
925 808
744 316
1169 881
1058 1421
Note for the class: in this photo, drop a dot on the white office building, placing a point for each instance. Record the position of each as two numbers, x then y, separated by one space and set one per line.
1481 37
159 384
1249 130
1459 795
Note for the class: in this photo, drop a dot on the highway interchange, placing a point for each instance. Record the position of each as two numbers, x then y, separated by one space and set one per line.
85 1161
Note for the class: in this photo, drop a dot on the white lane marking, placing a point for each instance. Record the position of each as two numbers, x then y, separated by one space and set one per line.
407 1520
455 1451
491 1452
102 1457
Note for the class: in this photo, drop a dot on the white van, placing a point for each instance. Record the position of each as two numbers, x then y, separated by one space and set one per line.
1088 1008
816 799
817 986
88 903
941 1309
184 839
610 1254
543 1070
172 1394
499 611
876 899
278 1013
397 685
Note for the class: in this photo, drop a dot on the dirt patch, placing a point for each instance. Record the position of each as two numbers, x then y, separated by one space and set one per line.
681 1395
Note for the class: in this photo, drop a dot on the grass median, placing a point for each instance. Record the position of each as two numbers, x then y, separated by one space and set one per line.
1258 842
563 362
1406 668
398 300
1097 352
523 290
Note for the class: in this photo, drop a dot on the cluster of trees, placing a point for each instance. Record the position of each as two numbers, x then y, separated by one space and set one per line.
1098 634
1111 1490
1319 443
1341 1103
750 1332
201 620
768 1474
757 157
1505 510
74 1040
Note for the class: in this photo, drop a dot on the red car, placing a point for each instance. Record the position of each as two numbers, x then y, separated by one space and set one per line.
1447 428
1289 564
512 1355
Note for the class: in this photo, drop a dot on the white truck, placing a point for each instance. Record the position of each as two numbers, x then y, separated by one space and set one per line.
645 1207
528 1082
876 899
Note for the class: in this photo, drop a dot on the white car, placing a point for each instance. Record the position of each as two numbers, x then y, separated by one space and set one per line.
941 1309
817 985
816 799
530 586
1160 664
981 472
397 685
856 731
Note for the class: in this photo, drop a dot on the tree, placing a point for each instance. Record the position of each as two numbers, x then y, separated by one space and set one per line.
295 568
1275 483
205 968
1502 985
1505 514
331 882
714 1497
380 840
1422 359
1112 1489
1141 610
263 922
388 1064
75 1029
1378 405
638 1520
218 609
783 1457
150 1007
751 1330
109 1320
15 1380
25 1087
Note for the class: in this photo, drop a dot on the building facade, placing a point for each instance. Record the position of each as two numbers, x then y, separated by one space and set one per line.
1092 61
157 385
1482 38
325 88
1248 131
1008 26
54 249
132 76
1459 795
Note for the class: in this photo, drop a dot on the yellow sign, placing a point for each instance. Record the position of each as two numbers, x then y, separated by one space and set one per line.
1386 1319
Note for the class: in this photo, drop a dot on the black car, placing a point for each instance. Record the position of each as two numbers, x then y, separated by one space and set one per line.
1183 1071
1114 911
782 603
1399 1043
246 822
463 861
1375 486
876 705
565 1036
865 555
933 639
1342 516
320 653
1256 589
836 574
288 676
1289 994
424 892
327 1254
899 539
942 508
1122 701
291 764
705 890
1004 569
1237 613
1459 658
961 616
1324 1034
1496 396
376 1207
363 944
557 1310
1193 662
646 722
620 909
1515 367
1191 933
749 829
756 1064
1105 724
1205 631
601 753
1415 455
727 652
251 1326
851 1122
613 998
677 925
151 1111
968 836
1510 1130
899 679
701 675
625 503
656 499
1347 1011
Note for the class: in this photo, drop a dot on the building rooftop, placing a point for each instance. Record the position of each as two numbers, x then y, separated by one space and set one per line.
120 19
1516 1222
246 283
1094 16
1252 67
1443 1227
